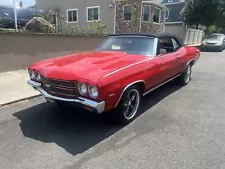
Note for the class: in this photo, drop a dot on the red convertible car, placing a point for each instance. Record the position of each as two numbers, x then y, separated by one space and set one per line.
116 75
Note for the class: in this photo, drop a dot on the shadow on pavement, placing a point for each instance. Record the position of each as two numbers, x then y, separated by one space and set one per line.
78 130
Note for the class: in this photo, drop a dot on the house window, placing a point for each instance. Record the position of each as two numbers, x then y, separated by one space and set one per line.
127 12
72 15
146 13
93 13
157 15
167 14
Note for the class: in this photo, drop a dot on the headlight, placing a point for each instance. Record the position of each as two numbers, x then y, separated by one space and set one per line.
38 76
82 88
32 74
220 43
93 91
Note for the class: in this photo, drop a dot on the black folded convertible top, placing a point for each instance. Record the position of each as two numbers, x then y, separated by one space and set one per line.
155 35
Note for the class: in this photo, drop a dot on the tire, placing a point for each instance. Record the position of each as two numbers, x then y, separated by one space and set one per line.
128 107
185 77
221 49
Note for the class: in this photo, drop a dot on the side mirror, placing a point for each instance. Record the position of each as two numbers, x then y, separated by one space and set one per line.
162 51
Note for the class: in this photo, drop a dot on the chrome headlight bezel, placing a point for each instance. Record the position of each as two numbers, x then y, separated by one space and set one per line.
32 74
92 90
38 76
82 88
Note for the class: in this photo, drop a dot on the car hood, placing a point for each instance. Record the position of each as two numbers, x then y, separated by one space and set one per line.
89 66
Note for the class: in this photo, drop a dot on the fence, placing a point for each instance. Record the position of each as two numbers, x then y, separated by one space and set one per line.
193 36
18 51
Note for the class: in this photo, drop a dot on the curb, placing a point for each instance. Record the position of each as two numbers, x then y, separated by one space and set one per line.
19 100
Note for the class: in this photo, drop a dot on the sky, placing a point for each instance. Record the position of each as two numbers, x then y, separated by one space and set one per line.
10 2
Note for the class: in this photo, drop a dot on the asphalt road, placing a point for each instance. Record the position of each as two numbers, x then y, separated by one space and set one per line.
180 128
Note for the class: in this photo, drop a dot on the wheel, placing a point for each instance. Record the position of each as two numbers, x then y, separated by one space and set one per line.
128 107
221 49
186 75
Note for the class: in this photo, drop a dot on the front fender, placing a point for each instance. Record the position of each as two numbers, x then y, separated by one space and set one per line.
113 86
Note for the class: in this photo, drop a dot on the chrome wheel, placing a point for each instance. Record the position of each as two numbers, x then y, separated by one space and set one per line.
131 104
187 74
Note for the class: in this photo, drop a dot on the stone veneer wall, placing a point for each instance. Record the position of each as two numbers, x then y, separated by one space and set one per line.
134 24
130 26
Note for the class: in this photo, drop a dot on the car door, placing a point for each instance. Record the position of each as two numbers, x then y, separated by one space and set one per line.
177 51
170 61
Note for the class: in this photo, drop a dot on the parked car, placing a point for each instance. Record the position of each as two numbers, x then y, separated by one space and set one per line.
115 76
214 41
24 15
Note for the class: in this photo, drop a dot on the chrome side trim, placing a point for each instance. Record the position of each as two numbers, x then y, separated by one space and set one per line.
138 81
99 106
161 84
127 67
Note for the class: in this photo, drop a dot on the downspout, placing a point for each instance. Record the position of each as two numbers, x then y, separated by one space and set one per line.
140 17
114 31
164 18
56 22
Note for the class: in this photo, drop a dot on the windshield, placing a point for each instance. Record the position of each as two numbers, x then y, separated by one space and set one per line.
129 44
214 36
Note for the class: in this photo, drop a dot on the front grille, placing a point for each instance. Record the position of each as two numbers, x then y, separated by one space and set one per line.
211 43
60 83
59 88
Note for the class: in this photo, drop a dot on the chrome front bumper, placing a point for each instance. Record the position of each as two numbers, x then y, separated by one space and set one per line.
98 106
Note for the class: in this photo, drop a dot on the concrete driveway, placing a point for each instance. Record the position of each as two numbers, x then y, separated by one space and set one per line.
180 128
